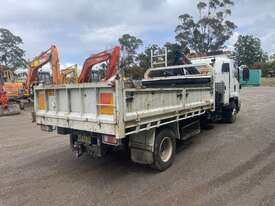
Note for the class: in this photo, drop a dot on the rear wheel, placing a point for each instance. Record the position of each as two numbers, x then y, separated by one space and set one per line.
21 105
164 149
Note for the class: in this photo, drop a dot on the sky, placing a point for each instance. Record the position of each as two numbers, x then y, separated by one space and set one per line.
82 27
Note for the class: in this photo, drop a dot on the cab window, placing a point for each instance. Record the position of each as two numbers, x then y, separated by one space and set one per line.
225 68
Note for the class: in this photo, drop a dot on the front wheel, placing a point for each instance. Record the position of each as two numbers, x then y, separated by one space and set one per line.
73 139
164 149
230 115
22 105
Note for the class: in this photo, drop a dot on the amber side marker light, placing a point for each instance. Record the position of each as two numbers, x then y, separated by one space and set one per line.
106 104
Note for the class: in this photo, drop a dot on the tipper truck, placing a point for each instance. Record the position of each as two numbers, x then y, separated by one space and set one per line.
146 116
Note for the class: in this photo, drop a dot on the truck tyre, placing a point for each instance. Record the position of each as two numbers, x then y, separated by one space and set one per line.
73 139
231 114
21 105
164 149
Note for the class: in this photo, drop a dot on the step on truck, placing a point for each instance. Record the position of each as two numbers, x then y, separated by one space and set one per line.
148 116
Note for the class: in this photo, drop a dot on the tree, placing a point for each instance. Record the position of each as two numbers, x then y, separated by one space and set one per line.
129 45
248 51
210 31
175 53
11 54
144 58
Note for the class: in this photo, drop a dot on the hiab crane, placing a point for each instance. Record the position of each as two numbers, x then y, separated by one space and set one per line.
48 56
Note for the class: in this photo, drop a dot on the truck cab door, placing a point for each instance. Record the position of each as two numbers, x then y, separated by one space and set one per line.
227 79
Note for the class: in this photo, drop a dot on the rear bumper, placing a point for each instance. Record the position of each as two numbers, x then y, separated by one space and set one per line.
74 124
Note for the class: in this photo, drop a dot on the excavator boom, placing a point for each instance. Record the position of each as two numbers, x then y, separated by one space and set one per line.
48 56
111 56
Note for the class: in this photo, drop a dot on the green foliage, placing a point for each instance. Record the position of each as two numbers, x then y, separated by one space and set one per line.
266 67
175 53
272 65
248 51
144 58
129 45
135 72
210 31
11 54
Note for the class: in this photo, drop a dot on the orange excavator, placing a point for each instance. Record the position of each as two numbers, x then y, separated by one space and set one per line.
14 88
48 56
112 58
7 107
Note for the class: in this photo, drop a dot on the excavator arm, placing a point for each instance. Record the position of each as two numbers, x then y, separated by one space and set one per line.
111 56
49 56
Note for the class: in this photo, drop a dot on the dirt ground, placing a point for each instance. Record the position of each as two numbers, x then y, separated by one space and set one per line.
225 165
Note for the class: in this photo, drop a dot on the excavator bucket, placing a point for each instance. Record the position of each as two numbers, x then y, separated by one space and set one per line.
10 109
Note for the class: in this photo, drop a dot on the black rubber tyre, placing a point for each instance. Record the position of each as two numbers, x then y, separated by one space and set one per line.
22 105
164 149
230 115
73 139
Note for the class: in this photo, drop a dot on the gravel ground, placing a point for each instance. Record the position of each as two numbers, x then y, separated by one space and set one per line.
224 165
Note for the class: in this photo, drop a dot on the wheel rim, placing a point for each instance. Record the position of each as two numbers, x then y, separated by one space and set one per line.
234 114
166 149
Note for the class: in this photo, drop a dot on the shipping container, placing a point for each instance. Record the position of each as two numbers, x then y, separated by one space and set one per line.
255 78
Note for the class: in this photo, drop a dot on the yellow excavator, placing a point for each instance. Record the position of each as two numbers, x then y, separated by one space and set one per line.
69 75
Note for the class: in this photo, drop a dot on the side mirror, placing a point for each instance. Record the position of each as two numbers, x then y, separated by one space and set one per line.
246 74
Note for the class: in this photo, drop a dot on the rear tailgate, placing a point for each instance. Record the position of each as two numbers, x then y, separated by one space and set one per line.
86 107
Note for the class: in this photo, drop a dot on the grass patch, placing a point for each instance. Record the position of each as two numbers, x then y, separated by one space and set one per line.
268 82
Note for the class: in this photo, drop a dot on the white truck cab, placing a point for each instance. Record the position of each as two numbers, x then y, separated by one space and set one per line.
227 85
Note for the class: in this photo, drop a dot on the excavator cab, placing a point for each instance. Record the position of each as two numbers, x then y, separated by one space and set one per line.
6 106
97 75
44 78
